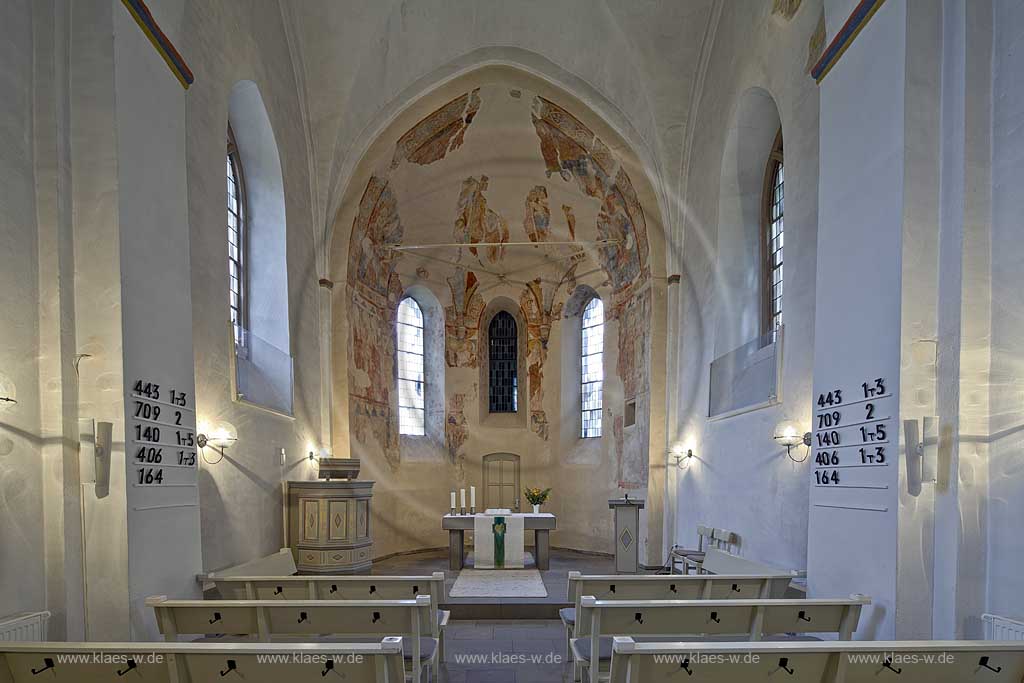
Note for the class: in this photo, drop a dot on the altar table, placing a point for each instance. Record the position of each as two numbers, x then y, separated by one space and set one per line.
541 524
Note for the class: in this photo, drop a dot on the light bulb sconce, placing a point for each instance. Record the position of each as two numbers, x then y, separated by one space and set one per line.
791 439
217 442
682 458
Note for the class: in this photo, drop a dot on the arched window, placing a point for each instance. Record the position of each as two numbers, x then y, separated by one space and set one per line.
771 243
411 375
592 368
504 361
236 242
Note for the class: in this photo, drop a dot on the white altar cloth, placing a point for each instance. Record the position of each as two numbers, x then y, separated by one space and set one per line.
484 540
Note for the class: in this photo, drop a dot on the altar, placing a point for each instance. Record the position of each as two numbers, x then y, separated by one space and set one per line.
541 524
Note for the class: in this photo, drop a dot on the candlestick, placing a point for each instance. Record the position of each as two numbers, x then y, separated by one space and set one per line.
462 499
472 497
453 500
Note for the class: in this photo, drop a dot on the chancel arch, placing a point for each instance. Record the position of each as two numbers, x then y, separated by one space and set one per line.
500 193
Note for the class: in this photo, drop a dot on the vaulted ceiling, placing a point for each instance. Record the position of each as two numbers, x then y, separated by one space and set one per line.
359 64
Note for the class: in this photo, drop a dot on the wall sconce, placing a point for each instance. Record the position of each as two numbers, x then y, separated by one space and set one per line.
787 434
682 454
219 439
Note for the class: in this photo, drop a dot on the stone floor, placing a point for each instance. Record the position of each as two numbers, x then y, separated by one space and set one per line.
506 651
556 581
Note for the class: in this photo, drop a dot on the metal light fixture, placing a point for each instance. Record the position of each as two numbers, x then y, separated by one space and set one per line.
682 454
219 439
787 434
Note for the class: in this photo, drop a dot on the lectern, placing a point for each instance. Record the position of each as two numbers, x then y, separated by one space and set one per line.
627 533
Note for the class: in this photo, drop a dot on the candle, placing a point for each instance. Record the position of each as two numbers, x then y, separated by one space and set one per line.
462 497
453 500
472 496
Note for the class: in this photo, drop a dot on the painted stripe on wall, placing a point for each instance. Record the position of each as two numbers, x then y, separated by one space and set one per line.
862 13
144 18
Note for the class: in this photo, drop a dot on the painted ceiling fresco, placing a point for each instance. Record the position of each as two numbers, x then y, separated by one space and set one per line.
495 169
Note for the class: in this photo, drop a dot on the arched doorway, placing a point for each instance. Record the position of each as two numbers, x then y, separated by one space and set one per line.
501 481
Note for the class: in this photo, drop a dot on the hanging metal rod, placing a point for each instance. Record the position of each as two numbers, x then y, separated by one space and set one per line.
410 247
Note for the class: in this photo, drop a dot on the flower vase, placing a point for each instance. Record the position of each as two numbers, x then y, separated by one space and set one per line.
536 509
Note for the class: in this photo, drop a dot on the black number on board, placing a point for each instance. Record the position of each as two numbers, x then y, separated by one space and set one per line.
876 433
147 433
828 438
867 457
827 478
869 408
186 459
151 475
150 455
829 419
147 411
187 440
177 417
179 398
832 398
826 458
872 389
148 389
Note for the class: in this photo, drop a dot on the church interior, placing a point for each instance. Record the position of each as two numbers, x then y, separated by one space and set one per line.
585 340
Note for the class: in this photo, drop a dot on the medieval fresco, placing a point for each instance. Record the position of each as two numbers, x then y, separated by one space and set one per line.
468 217
462 320
439 133
476 222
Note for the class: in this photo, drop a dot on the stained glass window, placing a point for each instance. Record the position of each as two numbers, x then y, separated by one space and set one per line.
592 367
504 360
411 380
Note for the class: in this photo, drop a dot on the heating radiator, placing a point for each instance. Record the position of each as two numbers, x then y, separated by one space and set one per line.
1001 628
27 626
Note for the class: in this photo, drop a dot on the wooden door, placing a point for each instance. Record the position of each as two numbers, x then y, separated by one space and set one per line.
501 481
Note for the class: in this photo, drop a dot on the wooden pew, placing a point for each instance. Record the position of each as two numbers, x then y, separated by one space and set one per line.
955 661
251 581
750 620
201 662
306 620
668 587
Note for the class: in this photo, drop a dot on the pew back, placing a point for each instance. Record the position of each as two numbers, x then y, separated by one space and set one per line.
677 587
750 618
331 587
720 562
200 662
264 619
819 662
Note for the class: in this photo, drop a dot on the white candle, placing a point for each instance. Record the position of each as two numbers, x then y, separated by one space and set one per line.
453 500
462 497
472 496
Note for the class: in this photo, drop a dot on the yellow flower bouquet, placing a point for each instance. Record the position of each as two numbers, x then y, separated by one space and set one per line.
536 495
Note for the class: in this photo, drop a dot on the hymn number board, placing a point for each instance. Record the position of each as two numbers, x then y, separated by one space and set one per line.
162 436
854 436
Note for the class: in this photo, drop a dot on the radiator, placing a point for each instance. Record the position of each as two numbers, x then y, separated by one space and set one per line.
1001 628
27 626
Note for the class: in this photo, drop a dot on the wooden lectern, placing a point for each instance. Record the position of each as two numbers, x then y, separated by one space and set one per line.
627 533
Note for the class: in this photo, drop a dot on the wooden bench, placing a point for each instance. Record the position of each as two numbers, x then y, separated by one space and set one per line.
201 662
306 620
955 661
749 620
251 581
667 587
707 538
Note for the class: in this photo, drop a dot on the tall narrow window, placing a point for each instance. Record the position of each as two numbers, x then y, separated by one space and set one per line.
504 361
772 241
411 380
236 243
592 367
